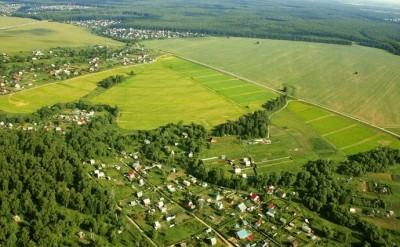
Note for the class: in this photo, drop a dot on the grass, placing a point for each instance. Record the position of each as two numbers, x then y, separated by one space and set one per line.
345 134
6 22
45 35
28 101
322 73
163 92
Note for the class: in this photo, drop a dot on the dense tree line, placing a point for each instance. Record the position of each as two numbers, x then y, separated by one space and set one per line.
254 125
111 81
275 104
376 160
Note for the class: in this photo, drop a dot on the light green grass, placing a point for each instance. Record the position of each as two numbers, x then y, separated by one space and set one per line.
161 93
7 22
28 101
347 135
45 35
322 73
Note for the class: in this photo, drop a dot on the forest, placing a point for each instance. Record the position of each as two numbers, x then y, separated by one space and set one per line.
313 21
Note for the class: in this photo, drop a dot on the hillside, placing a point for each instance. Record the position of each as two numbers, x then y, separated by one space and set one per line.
356 80
36 35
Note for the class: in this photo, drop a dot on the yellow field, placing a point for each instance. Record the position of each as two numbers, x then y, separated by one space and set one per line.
28 35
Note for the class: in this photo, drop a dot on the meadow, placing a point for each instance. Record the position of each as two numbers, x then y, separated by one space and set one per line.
357 80
165 92
45 35
345 134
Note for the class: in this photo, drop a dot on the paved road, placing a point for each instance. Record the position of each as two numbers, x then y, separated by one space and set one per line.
279 92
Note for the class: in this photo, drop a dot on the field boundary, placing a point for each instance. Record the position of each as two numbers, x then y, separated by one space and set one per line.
280 93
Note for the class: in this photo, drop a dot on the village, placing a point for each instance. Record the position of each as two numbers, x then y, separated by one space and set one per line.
41 67
163 201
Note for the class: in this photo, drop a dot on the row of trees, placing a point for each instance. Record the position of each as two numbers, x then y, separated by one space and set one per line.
276 104
111 81
376 160
254 125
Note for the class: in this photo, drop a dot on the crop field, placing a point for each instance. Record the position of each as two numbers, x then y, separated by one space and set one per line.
165 92
44 35
347 135
241 92
360 81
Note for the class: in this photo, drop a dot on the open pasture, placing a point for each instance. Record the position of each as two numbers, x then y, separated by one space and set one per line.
357 80
347 135
8 22
45 35
164 92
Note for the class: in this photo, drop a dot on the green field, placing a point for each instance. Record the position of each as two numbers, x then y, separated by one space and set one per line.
164 92
160 93
28 101
347 135
44 35
321 73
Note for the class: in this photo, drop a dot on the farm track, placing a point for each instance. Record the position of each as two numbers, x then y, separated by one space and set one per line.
319 118
280 93
339 130
21 25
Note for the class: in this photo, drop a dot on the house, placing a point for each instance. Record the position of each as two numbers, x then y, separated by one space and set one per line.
283 220
254 197
131 174
185 135
271 206
16 218
171 188
242 234
160 204
352 210
92 162
81 235
186 183
282 194
218 196
270 190
294 243
169 218
190 155
212 241
306 229
219 205
246 161
99 174
242 207
271 212
157 225
146 202
136 166
139 194
146 141
191 205
237 170
141 182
